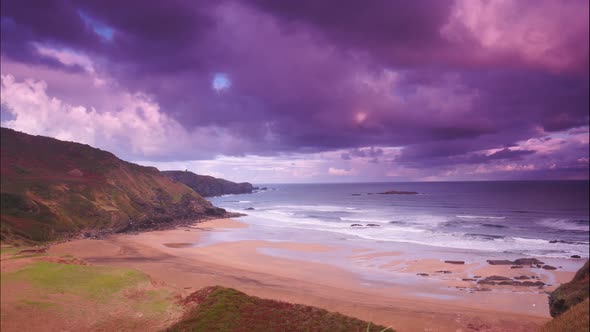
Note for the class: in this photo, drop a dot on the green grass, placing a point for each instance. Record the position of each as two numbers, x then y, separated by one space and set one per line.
16 256
87 281
226 309
157 302
8 250
39 304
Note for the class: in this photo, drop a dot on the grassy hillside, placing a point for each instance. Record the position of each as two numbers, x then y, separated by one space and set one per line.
576 319
52 189
570 293
207 185
226 309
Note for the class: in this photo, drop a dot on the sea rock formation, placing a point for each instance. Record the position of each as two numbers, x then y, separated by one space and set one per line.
396 192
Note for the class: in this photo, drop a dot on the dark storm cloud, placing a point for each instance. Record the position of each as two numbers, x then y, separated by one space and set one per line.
308 76
393 30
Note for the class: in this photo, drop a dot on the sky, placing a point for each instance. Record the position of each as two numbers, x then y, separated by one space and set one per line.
308 91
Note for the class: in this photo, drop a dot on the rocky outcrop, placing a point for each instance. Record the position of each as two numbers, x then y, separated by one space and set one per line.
396 192
527 261
497 278
54 190
208 186
500 262
519 262
506 281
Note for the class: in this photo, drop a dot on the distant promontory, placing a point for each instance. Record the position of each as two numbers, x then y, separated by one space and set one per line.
209 186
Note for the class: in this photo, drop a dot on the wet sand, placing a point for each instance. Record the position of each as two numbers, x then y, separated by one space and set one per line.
437 302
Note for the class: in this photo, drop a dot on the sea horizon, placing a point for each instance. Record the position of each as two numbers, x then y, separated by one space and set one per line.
258 184
496 215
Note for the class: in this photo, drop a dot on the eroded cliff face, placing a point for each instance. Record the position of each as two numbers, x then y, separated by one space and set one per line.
209 186
52 189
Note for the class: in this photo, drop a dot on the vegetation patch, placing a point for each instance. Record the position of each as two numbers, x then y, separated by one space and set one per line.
570 293
8 250
226 309
42 305
576 319
65 294
86 281
157 302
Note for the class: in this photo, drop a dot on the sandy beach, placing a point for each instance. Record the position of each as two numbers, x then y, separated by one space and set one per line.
441 301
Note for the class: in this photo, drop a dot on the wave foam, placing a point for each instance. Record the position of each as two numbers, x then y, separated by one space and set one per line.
566 224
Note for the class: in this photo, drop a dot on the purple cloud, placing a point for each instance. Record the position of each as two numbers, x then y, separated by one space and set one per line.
443 83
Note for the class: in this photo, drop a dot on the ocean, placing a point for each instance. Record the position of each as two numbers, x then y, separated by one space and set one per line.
536 218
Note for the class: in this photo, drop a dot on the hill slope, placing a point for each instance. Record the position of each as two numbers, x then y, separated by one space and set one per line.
571 293
207 185
225 309
575 319
52 189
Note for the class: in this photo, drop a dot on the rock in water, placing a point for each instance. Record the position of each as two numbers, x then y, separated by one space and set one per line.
395 192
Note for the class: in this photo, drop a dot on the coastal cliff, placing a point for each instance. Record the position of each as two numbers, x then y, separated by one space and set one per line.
569 306
53 189
571 293
209 186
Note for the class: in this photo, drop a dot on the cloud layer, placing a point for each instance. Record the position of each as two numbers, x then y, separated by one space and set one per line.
463 89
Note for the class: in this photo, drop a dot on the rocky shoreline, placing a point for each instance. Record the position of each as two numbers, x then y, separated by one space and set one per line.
482 283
